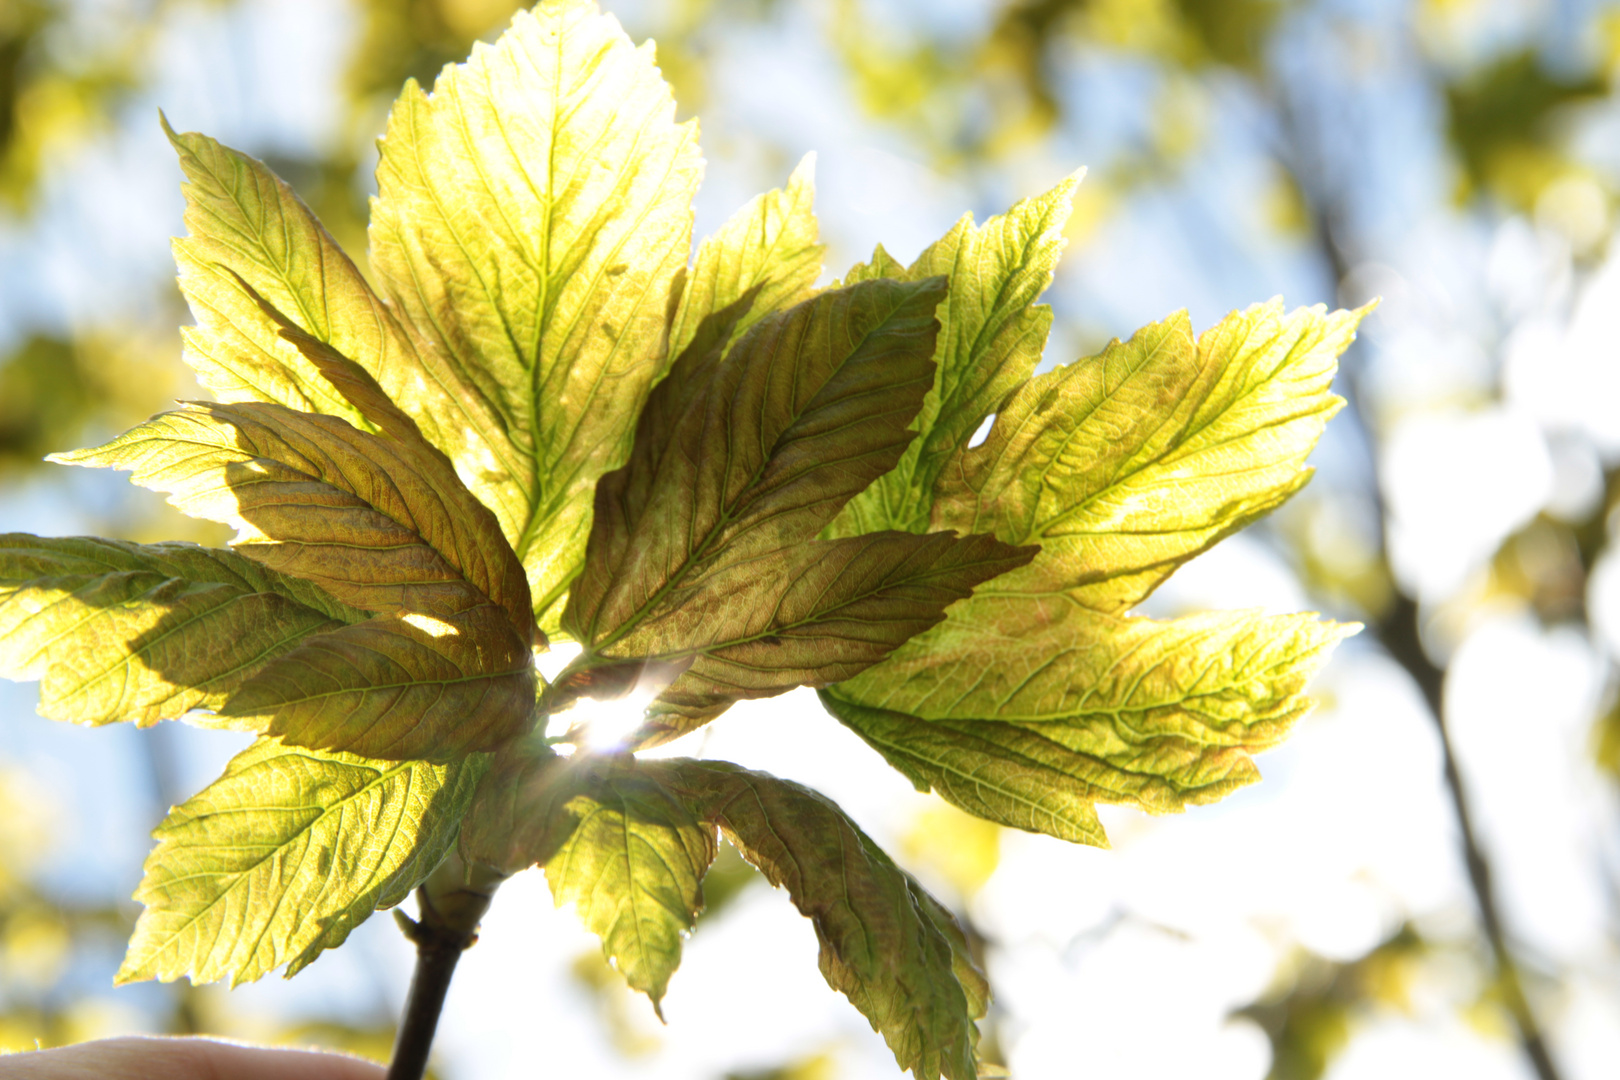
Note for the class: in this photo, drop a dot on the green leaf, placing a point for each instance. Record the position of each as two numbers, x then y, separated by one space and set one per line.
1035 698
615 844
284 855
885 943
142 633
632 866
990 340
1000 772
768 247
410 686
251 238
314 497
516 819
379 521
1124 465
991 708
532 217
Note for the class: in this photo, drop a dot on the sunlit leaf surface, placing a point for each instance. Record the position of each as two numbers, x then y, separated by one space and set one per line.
286 853
533 213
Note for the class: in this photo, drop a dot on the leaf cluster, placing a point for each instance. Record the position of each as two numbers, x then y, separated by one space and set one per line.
550 419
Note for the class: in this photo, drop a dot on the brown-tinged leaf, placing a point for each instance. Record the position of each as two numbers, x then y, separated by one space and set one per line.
379 521
885 943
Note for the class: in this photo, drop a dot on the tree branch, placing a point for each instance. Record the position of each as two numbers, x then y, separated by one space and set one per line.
1399 628
451 903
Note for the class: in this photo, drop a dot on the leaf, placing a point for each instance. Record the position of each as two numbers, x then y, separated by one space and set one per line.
516 818
411 686
379 521
768 248
284 855
810 616
1036 698
615 844
1124 465
136 632
702 545
991 337
757 452
252 238
532 216
992 711
633 867
888 946
1000 772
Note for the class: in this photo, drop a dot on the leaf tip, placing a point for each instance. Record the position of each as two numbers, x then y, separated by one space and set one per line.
804 173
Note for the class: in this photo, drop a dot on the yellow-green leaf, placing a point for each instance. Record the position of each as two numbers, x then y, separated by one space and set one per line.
1004 773
410 686
991 337
314 497
885 943
632 864
532 215
284 855
1152 714
515 820
807 409
767 248
702 547
251 237
1126 464
142 633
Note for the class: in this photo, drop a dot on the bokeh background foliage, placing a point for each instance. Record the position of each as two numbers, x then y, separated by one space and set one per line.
1459 158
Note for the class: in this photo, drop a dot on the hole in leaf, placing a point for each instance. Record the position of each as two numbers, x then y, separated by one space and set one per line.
984 431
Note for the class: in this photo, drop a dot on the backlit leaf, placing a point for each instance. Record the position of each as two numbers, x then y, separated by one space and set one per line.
1035 698
761 450
632 865
616 845
516 819
250 238
885 943
533 213
702 547
813 615
145 632
1124 465
381 522
410 686
284 855
991 337
768 247
1000 772
992 711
